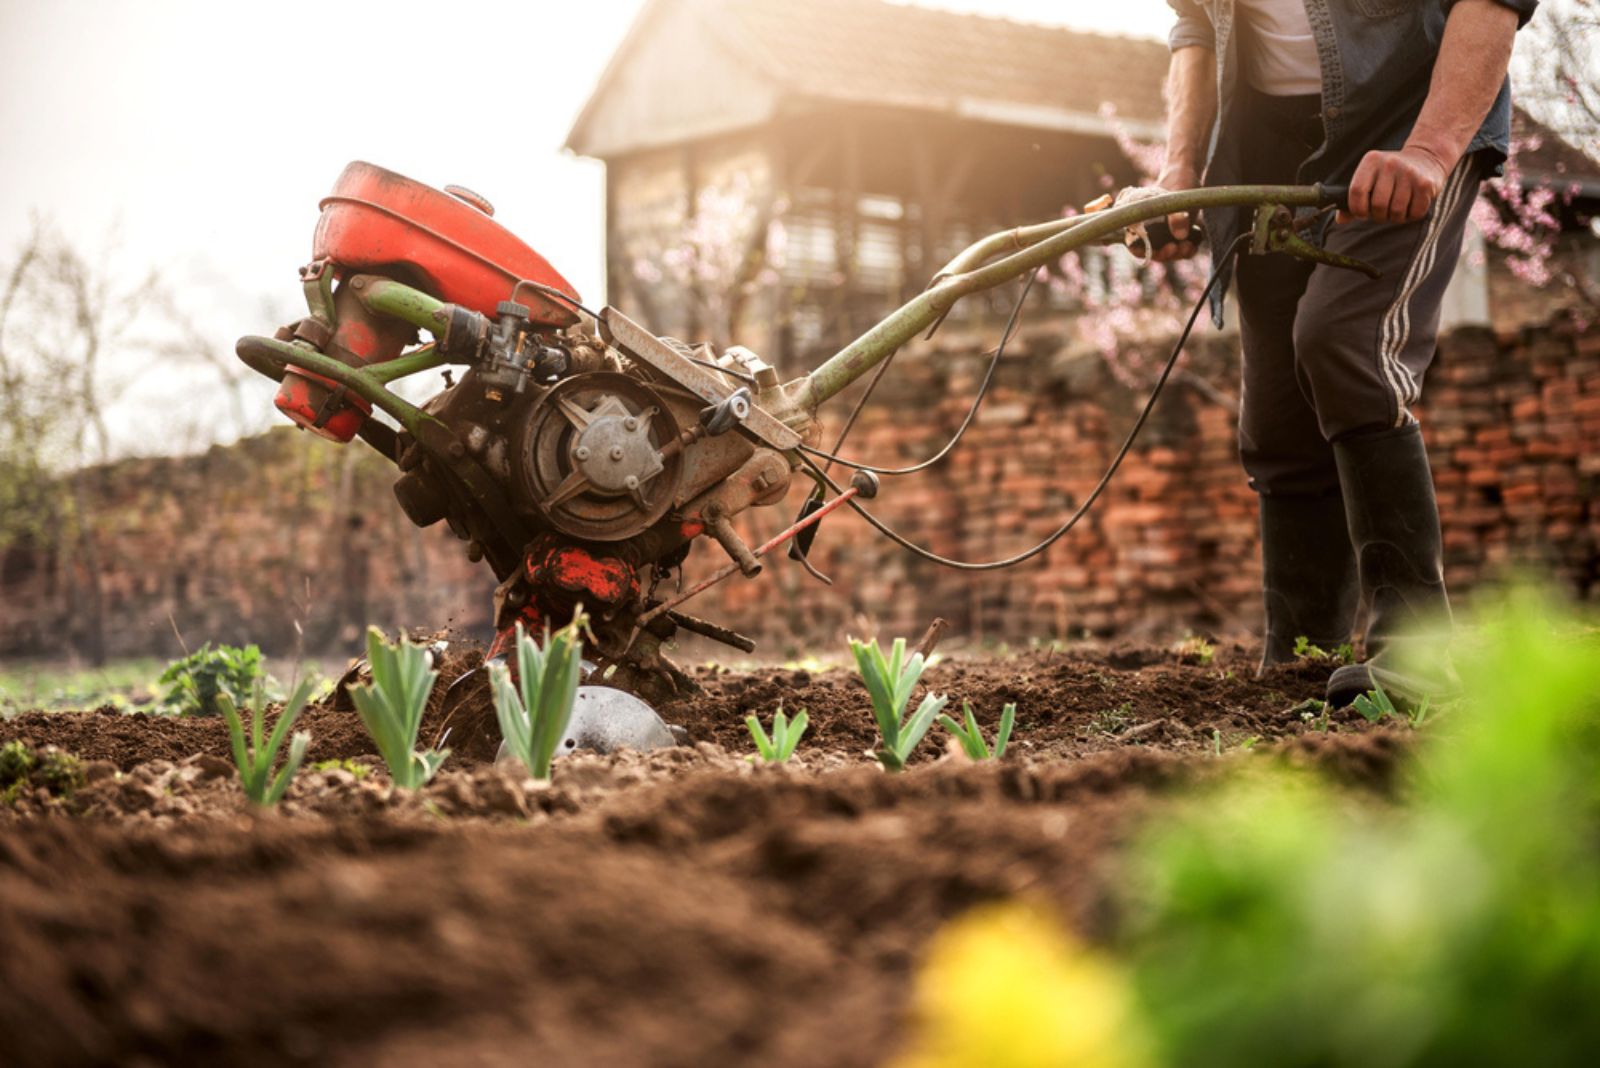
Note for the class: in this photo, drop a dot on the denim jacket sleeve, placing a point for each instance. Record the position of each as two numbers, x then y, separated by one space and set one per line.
1194 29
1523 8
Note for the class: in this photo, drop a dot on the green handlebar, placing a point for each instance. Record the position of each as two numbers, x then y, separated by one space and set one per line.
1033 247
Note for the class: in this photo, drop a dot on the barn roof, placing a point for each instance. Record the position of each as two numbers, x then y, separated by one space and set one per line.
867 50
1047 77
873 52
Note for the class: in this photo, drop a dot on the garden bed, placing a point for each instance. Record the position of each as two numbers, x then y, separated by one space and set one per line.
677 907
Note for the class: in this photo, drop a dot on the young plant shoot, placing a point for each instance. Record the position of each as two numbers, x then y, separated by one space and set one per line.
1376 704
391 706
786 732
534 720
970 737
255 757
889 681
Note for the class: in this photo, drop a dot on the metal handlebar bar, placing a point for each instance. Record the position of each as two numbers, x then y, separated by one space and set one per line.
1026 248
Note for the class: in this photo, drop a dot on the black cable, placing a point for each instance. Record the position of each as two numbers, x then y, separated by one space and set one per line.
972 412
1105 479
860 406
730 372
555 294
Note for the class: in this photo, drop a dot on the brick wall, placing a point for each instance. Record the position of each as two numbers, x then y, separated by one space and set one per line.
240 543
243 544
1513 424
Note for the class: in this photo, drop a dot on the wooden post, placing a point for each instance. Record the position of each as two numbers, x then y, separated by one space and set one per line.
846 220
691 206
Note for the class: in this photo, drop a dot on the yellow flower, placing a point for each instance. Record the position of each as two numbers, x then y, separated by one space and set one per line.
1006 987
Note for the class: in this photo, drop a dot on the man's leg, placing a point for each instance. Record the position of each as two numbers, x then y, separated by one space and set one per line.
1308 571
1363 347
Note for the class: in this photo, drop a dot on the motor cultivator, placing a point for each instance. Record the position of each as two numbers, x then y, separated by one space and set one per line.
578 454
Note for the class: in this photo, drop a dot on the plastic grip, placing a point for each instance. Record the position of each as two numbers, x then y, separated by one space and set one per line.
1337 196
1160 233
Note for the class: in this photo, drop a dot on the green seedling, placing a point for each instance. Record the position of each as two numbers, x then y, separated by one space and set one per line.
1376 704
889 681
23 769
16 760
534 712
1344 652
1303 648
1112 720
360 771
1197 649
970 737
779 746
254 756
1314 713
391 706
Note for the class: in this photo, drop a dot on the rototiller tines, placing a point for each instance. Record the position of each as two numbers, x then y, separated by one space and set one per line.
581 455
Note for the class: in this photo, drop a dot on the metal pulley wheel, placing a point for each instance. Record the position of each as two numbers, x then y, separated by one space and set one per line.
589 457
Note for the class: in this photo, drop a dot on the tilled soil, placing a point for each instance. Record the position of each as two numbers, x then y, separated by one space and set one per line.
677 907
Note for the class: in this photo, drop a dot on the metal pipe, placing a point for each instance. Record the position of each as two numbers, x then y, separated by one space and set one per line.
804 395
425 358
388 297
718 527
259 352
1015 239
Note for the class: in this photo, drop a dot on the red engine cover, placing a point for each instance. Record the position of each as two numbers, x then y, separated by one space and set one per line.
376 218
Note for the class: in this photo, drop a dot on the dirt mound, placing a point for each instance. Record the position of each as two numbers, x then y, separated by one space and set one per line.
677 907
662 928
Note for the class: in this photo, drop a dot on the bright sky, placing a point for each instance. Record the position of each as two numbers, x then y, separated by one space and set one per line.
198 135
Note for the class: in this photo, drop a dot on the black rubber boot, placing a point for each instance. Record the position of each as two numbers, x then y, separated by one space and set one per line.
1308 574
1394 526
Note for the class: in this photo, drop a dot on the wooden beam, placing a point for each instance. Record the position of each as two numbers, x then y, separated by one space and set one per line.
691 207
847 217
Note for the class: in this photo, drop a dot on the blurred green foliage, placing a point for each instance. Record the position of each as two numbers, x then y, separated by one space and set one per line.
22 768
25 687
193 683
1280 921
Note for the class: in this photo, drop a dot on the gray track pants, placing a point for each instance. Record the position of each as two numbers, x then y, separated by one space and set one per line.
1330 353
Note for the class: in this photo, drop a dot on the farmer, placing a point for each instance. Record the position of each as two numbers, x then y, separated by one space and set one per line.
1408 102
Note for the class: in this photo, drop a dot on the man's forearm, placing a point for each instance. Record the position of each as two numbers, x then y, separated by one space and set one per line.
1191 112
1473 57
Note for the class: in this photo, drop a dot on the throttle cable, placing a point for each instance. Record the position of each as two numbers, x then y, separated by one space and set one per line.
972 412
